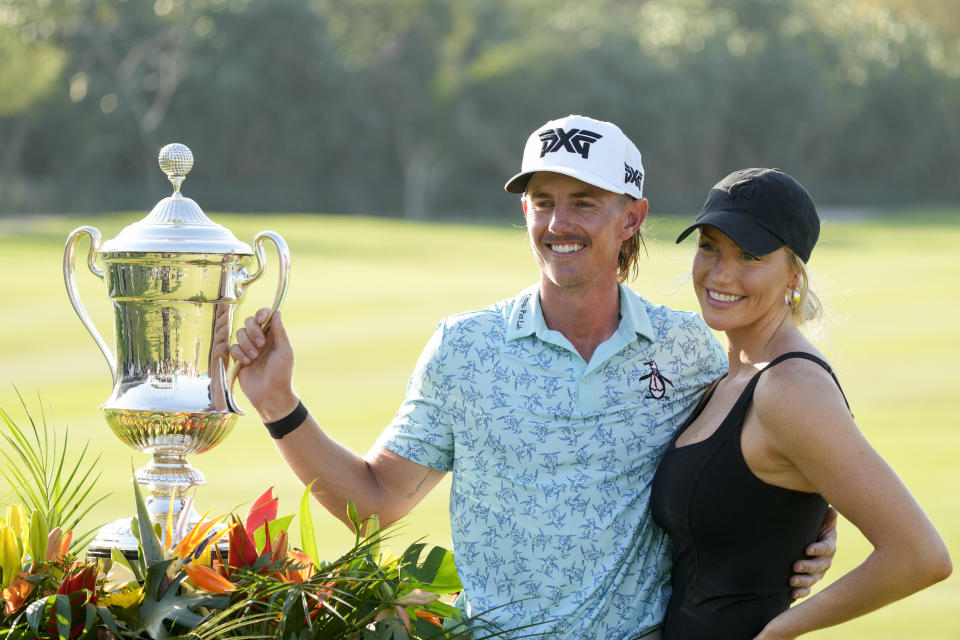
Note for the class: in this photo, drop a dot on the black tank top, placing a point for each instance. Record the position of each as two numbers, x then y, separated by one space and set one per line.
735 537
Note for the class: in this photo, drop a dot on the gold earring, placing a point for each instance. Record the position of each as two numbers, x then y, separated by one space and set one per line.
792 298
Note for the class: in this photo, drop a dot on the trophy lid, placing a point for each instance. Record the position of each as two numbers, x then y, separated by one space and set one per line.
176 224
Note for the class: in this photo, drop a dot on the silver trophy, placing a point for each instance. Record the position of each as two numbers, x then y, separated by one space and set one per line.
175 279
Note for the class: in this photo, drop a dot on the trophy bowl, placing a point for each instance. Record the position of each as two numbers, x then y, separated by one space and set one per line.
175 279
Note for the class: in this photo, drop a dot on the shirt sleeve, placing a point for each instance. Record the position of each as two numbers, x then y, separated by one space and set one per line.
422 429
704 360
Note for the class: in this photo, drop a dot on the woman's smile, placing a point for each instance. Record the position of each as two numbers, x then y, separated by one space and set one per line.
724 299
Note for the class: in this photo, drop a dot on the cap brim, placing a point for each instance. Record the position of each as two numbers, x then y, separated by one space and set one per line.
518 183
745 232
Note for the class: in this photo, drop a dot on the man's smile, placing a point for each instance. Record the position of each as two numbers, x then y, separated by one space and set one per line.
566 247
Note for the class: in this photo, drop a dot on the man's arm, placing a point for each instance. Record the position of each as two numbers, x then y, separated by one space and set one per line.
382 482
820 554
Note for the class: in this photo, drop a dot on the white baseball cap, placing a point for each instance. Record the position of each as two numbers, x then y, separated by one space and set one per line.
593 151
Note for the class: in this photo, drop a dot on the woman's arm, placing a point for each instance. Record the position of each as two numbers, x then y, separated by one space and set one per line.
805 420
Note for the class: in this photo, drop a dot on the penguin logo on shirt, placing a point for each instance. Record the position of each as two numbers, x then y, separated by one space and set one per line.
658 384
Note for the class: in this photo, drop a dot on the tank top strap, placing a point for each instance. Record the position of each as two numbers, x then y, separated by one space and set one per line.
806 356
734 419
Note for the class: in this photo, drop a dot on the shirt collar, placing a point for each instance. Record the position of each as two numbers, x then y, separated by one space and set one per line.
633 315
526 316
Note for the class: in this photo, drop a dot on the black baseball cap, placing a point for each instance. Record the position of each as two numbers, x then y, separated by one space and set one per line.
761 210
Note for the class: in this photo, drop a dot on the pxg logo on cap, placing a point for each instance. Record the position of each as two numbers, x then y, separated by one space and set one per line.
574 141
593 151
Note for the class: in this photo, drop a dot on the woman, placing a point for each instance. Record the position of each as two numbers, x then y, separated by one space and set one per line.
749 476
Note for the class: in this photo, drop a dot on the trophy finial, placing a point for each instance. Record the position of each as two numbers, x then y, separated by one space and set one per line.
176 160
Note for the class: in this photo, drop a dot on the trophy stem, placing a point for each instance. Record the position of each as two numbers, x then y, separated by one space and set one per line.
169 477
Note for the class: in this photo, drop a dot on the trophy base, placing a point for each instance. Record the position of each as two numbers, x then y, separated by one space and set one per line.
119 535
116 535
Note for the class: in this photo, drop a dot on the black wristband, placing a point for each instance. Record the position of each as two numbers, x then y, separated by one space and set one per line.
288 423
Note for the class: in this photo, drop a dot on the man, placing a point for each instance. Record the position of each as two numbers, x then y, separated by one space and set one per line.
551 409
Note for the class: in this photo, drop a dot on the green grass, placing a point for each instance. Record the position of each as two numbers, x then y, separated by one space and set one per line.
366 293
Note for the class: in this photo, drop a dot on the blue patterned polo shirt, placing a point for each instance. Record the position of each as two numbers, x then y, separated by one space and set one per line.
552 459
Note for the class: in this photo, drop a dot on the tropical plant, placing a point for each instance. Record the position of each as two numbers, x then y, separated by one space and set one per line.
42 478
221 578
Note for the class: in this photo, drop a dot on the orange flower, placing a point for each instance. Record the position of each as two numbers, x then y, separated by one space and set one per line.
208 579
429 617
16 594
301 559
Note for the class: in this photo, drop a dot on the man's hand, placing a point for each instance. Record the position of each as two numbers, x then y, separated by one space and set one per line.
266 376
811 569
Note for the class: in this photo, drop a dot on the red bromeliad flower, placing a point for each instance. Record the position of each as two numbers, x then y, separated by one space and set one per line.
244 552
80 588
76 581
262 511
243 548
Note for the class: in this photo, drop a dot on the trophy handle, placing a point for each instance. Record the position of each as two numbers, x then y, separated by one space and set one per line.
70 279
284 253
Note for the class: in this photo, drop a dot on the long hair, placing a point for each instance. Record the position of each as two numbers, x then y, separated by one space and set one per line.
629 258
808 308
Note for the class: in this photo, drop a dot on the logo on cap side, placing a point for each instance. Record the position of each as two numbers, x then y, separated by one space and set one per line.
742 190
632 176
574 141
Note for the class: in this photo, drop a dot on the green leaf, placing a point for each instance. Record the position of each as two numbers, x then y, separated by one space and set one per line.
38 472
35 612
38 536
293 616
149 542
117 556
91 617
108 619
442 609
163 601
64 615
437 573
308 538
276 526
354 517
372 533
135 530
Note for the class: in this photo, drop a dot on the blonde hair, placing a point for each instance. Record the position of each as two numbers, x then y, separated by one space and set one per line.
808 309
629 257
628 261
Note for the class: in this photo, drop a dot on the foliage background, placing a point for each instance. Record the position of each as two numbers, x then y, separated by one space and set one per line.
419 108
